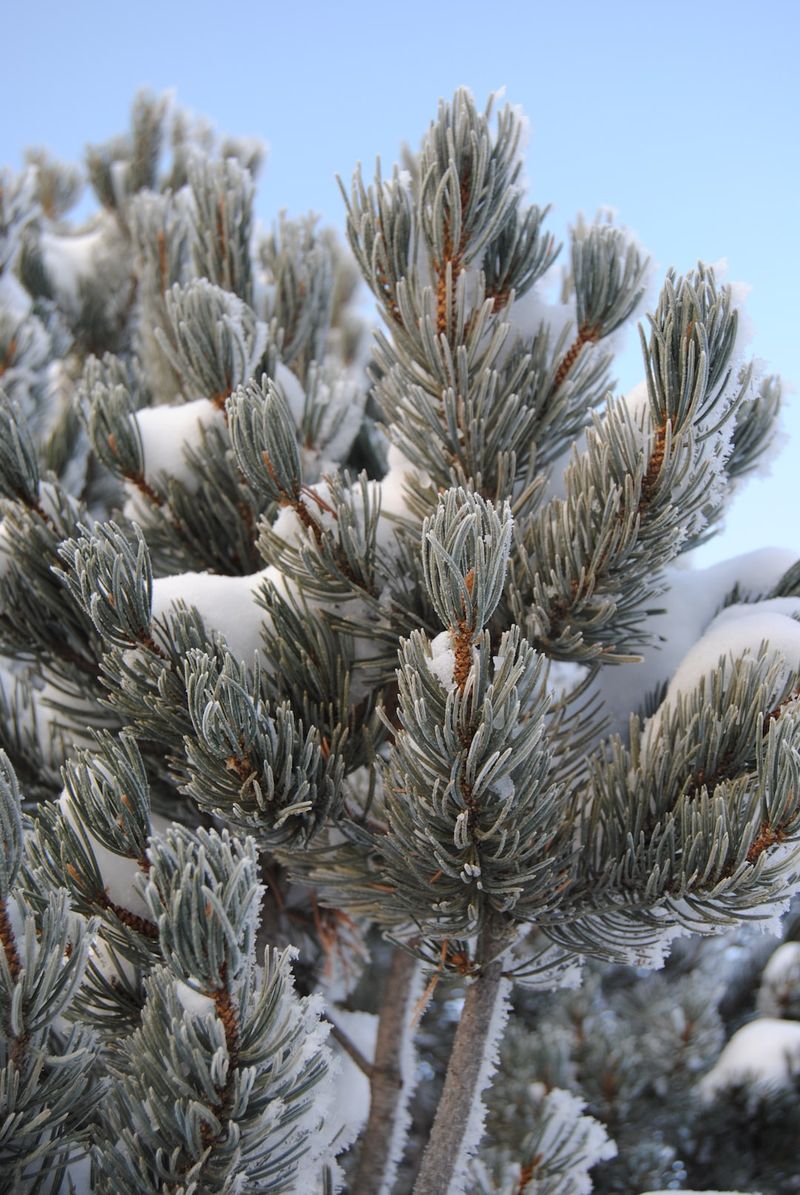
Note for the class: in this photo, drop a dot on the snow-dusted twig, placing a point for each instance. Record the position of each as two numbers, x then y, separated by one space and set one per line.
350 1048
383 1136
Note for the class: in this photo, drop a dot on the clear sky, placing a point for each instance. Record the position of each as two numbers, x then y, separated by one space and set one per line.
683 116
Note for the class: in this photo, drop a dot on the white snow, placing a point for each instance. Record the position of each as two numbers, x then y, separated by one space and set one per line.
193 1001
780 980
351 1085
688 606
288 526
528 313
70 259
226 604
289 385
320 1120
166 432
400 473
735 633
564 676
343 398
59 730
784 964
31 718
442 660
737 637
787 606
118 872
764 1050
503 788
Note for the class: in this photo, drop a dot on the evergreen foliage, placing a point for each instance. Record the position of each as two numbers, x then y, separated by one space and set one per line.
355 696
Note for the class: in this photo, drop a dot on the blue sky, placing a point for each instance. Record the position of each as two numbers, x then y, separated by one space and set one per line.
682 116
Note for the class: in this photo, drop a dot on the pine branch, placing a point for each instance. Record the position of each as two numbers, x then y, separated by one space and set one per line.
304 616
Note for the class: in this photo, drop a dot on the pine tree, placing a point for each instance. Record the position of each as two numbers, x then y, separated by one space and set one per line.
357 693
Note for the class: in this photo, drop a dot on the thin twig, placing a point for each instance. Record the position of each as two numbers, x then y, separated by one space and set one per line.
349 1047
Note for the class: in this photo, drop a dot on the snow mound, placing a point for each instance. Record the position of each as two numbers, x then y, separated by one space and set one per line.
167 432
688 607
226 604
780 980
766 1050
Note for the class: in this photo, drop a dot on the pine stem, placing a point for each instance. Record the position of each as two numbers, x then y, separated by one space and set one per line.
375 1162
462 1086
586 335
